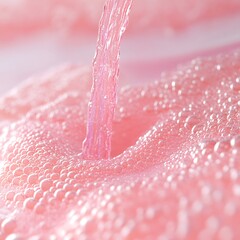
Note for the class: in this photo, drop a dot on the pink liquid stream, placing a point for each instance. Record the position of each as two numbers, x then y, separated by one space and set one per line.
97 144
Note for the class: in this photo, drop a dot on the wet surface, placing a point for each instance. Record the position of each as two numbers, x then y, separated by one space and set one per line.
177 172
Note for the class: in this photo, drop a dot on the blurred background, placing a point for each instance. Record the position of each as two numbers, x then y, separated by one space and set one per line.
38 35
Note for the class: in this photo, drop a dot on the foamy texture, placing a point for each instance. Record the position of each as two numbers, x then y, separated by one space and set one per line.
176 175
97 144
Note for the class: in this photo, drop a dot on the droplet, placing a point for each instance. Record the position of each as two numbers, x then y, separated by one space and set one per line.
38 194
235 142
17 172
29 203
218 67
59 194
18 197
8 225
10 195
46 184
222 146
32 178
28 192
39 208
69 195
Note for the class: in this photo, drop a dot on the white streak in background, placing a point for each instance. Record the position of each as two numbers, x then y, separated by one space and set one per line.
199 37
26 57
31 56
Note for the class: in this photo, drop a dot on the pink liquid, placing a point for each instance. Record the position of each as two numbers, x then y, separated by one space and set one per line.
176 176
97 144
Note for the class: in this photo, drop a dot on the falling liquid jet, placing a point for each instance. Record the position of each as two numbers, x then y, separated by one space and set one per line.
97 144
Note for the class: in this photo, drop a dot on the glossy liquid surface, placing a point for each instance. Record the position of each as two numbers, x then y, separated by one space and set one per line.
101 107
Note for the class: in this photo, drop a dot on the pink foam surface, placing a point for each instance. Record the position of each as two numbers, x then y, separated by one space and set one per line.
174 167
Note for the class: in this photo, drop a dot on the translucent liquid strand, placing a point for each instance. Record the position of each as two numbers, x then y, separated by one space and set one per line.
97 144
